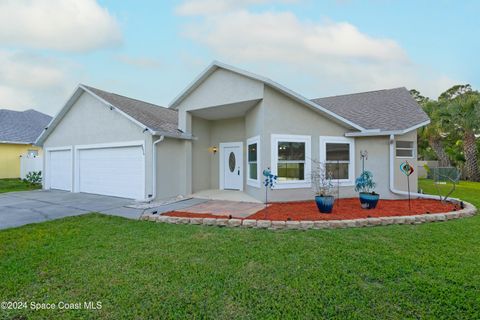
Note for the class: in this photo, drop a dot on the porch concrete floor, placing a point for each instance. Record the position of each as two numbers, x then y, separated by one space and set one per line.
225 195
225 208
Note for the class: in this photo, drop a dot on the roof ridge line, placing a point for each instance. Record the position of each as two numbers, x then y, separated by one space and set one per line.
362 92
121 95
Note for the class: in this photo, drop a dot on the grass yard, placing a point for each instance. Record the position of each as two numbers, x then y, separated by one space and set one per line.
146 270
466 190
10 185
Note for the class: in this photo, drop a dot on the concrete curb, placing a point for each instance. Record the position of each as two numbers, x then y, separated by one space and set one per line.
468 211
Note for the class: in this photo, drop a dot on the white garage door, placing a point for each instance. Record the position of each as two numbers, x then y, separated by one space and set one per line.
112 171
60 169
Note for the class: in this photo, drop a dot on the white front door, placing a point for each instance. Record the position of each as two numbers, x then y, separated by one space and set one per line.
232 165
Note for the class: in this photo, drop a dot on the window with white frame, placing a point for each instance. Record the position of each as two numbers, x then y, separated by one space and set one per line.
291 160
338 154
253 161
404 149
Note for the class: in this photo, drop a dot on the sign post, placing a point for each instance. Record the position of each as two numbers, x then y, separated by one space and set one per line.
407 169
269 183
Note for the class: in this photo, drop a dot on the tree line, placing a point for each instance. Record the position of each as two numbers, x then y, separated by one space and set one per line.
453 136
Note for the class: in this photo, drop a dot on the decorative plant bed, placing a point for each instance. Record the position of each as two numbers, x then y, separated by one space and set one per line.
350 209
304 215
344 209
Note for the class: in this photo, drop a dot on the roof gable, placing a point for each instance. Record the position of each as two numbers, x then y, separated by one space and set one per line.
266 81
22 127
155 119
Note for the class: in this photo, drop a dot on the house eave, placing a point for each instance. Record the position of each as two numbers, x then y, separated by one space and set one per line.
372 133
182 136
17 142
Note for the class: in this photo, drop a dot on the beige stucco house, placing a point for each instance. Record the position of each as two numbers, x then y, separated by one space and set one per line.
221 132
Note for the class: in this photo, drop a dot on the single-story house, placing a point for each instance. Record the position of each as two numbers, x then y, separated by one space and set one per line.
18 132
221 132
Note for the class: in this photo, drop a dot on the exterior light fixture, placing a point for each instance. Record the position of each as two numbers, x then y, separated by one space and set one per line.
213 149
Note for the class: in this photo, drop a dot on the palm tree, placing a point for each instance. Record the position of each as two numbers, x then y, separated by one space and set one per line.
434 133
464 117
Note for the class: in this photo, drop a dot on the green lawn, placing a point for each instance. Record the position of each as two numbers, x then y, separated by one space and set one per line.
149 270
468 191
9 185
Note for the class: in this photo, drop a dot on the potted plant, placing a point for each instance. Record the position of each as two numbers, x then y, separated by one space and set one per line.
322 185
365 185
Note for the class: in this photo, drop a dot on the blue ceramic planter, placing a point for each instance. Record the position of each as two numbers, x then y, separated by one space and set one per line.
324 203
368 200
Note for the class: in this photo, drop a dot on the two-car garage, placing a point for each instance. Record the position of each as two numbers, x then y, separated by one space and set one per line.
109 169
104 143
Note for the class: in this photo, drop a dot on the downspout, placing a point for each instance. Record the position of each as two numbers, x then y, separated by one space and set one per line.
392 176
154 160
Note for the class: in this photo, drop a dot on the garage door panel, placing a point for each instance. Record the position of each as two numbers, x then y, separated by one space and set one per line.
60 169
112 171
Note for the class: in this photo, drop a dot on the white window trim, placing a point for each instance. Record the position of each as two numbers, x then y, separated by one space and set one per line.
413 148
351 168
275 138
252 182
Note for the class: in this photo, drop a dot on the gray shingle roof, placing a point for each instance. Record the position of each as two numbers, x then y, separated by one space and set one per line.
152 116
390 109
22 126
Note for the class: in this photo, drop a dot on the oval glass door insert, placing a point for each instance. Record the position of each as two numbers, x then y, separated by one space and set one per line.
231 161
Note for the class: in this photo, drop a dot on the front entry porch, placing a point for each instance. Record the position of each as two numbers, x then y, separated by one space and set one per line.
224 195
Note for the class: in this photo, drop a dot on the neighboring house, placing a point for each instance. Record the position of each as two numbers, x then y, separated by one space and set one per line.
222 132
18 132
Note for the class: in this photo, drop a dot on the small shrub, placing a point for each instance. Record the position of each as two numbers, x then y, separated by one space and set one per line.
321 179
34 177
365 183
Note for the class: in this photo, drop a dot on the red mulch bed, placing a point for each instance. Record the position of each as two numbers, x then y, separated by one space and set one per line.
344 209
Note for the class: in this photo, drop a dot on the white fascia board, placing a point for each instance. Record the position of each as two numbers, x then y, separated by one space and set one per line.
183 136
16 142
216 64
371 133
193 85
56 119
118 110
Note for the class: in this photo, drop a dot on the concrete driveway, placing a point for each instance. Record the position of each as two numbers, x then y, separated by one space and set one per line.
19 208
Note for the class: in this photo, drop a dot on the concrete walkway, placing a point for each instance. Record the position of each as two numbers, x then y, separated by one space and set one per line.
235 209
225 195
20 208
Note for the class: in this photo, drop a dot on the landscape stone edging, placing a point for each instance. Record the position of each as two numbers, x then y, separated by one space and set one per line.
468 211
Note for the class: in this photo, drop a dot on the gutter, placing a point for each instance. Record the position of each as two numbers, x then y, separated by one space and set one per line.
17 142
184 136
378 132
392 175
154 160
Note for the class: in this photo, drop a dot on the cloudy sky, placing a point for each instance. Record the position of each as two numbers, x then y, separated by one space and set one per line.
151 50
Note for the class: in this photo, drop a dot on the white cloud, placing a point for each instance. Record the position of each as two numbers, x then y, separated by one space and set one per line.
27 79
325 57
65 25
203 7
12 98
